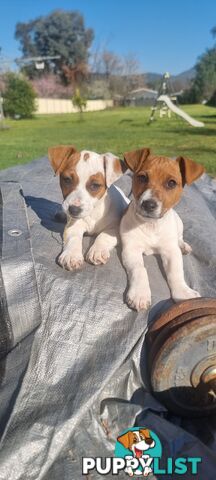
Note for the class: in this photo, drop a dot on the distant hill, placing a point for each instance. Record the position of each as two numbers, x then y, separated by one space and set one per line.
180 81
186 75
100 88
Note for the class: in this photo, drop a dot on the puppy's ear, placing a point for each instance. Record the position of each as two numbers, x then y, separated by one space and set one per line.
189 169
135 159
58 155
145 432
114 168
125 440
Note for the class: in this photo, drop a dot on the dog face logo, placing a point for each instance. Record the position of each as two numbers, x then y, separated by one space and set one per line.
138 453
138 446
137 441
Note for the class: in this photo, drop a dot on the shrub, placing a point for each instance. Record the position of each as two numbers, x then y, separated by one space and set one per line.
79 101
49 86
19 97
190 95
212 100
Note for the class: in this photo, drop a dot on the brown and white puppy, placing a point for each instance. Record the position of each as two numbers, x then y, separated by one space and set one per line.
150 225
138 441
90 208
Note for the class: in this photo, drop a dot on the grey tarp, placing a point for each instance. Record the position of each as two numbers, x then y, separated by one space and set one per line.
72 385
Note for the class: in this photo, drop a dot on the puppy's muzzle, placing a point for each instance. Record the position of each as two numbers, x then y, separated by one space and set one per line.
149 441
149 206
74 210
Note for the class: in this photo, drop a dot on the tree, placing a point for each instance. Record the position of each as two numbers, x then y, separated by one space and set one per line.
79 102
76 75
213 31
120 72
111 64
59 33
131 74
212 100
205 80
19 96
203 85
50 86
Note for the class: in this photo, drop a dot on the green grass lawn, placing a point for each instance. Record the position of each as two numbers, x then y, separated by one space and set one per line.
117 130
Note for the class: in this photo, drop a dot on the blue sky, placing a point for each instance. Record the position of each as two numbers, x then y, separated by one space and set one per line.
166 35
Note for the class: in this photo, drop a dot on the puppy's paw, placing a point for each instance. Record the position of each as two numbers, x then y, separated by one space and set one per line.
70 260
97 256
129 472
185 248
184 293
147 471
139 299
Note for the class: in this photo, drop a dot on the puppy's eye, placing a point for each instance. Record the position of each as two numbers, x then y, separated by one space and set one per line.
143 178
94 186
171 184
67 180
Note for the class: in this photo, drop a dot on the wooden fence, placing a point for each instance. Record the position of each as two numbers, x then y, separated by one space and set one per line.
55 105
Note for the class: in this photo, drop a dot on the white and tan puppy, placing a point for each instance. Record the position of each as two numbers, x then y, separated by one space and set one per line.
151 226
90 208
137 441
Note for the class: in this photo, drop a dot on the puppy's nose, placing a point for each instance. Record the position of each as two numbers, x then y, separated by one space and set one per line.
77 202
149 205
149 441
74 210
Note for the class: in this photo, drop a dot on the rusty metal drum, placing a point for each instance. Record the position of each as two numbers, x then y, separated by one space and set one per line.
181 347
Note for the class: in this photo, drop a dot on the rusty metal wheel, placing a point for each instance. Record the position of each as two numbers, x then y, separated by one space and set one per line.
182 357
